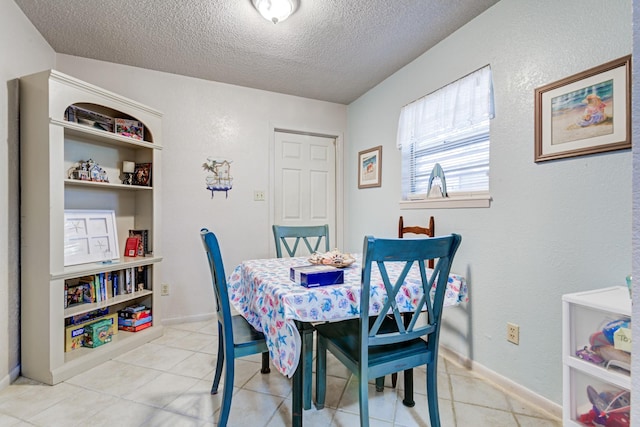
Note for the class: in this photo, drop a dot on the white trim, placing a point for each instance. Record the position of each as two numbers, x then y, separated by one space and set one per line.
468 200
504 383
10 378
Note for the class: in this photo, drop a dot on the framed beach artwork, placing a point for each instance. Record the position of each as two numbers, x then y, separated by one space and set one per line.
370 167
587 113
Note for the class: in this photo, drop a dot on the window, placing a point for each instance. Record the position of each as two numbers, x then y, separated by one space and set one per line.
450 127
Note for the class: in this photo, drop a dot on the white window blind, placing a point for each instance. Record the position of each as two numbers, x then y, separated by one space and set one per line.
451 127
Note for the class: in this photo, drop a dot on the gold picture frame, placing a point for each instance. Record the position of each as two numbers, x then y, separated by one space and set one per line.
586 113
370 167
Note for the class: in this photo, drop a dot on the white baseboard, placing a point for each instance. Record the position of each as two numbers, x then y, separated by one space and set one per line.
188 319
11 377
505 383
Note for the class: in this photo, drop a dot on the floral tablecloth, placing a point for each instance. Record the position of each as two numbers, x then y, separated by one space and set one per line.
261 291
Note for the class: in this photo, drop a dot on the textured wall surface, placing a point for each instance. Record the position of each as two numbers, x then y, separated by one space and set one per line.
207 119
635 360
23 51
552 228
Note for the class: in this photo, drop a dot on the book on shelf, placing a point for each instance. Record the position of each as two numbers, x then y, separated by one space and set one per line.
115 282
134 308
143 244
131 247
141 278
133 322
129 281
135 328
136 315
86 317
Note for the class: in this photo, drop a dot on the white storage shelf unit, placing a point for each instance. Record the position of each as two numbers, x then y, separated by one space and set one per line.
50 147
583 314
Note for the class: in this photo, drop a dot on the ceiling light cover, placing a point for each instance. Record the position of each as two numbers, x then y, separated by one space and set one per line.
275 10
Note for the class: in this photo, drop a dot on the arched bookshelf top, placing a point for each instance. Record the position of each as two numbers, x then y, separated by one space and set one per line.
109 120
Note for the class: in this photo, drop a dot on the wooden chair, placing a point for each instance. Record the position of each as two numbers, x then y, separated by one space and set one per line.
372 347
429 232
236 337
284 234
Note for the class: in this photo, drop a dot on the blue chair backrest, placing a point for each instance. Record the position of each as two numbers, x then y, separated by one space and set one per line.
301 233
413 253
218 279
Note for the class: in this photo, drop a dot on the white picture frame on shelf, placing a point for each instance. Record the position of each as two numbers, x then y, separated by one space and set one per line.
90 236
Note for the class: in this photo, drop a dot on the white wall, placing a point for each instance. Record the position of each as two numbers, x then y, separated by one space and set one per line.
552 228
22 51
202 119
635 97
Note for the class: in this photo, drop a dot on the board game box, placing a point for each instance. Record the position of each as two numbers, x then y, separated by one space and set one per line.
311 276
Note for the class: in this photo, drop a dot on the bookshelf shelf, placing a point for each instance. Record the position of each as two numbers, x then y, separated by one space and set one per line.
55 137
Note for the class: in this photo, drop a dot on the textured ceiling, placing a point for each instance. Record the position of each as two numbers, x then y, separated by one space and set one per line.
332 50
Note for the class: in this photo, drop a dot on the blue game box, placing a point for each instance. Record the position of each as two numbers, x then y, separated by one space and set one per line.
311 276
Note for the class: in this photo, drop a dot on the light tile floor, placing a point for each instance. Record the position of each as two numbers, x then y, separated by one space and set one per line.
167 382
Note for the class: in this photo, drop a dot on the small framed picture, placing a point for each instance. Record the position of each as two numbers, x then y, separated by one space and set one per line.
89 236
370 167
142 174
587 113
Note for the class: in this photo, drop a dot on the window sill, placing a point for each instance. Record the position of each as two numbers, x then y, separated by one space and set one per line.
477 200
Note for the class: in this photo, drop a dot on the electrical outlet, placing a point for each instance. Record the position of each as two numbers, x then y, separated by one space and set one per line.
164 289
513 333
258 195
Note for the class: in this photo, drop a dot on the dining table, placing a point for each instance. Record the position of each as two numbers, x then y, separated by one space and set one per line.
262 291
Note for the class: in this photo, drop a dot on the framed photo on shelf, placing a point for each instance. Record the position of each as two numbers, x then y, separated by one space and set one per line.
370 167
89 236
587 113
142 174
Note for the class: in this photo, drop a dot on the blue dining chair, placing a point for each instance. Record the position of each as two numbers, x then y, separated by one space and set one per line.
375 346
312 236
236 337
285 234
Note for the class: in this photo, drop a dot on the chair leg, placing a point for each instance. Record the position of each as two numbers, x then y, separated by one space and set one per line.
432 394
227 393
363 398
321 372
265 363
219 362
380 384
408 389
394 379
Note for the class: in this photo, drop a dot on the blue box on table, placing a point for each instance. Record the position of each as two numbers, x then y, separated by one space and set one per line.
311 276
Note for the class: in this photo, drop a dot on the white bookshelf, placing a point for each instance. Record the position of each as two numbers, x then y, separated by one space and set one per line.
50 146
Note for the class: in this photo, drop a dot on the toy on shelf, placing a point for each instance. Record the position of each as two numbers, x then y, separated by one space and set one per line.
88 170
610 346
610 408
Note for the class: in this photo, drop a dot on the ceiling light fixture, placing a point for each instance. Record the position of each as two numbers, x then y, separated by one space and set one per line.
275 10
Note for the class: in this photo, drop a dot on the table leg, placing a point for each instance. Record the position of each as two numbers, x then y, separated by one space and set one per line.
306 360
296 398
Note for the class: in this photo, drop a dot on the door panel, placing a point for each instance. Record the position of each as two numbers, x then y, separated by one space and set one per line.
305 181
